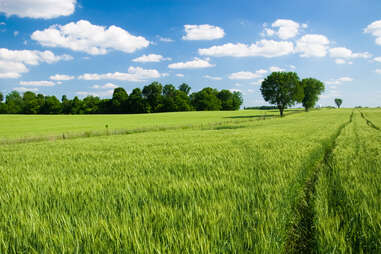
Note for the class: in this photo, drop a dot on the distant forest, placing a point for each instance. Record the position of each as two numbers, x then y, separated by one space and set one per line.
153 98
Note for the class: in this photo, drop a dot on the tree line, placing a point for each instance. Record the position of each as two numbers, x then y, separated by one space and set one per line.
152 98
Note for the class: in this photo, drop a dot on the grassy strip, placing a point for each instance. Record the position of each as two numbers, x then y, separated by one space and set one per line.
301 233
110 132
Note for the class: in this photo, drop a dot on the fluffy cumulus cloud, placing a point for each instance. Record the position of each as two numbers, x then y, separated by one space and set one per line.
338 81
247 75
265 48
37 83
312 45
25 89
151 58
134 74
45 9
61 77
375 30
14 62
105 86
196 63
212 78
275 69
286 29
203 32
343 54
92 39
377 59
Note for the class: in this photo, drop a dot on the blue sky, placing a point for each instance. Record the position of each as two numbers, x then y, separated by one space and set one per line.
87 47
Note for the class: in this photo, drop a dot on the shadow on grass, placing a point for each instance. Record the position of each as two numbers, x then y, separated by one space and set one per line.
256 116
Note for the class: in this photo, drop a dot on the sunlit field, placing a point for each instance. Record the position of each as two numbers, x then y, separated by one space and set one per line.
308 181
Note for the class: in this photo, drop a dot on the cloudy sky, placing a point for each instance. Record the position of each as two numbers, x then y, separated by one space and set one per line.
82 47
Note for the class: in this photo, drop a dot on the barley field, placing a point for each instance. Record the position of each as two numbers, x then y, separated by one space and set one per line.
233 182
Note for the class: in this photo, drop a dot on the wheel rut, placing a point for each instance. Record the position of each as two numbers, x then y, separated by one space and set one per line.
368 122
301 237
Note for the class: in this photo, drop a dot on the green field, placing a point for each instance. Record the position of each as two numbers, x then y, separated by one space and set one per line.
236 182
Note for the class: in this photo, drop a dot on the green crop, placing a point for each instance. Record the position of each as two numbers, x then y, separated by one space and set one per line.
253 186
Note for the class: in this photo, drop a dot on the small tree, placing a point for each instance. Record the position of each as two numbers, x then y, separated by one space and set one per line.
338 102
312 89
282 89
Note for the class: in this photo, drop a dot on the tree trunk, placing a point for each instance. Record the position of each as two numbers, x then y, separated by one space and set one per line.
281 110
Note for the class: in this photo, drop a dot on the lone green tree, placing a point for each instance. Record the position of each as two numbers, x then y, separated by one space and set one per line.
312 89
338 102
283 89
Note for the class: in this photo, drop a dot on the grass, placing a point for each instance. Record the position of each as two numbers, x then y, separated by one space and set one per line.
232 187
21 126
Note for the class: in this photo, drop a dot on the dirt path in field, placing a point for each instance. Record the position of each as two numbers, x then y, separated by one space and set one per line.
368 122
302 231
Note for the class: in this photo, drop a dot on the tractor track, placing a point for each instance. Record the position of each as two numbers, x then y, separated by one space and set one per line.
301 237
368 122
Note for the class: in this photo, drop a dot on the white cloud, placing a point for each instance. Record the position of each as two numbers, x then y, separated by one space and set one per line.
265 48
180 75
338 81
10 69
194 64
61 77
153 58
135 74
105 86
345 53
242 75
375 30
106 93
287 29
31 57
203 32
212 78
292 66
312 45
163 39
378 71
37 83
15 33
275 69
13 62
340 61
377 59
92 39
45 9
25 89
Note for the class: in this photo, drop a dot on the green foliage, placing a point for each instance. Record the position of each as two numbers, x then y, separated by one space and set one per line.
119 100
312 89
282 89
14 103
152 93
185 88
153 98
1 97
206 99
338 102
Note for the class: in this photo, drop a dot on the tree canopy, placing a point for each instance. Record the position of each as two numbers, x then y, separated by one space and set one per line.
338 102
283 89
153 98
312 89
